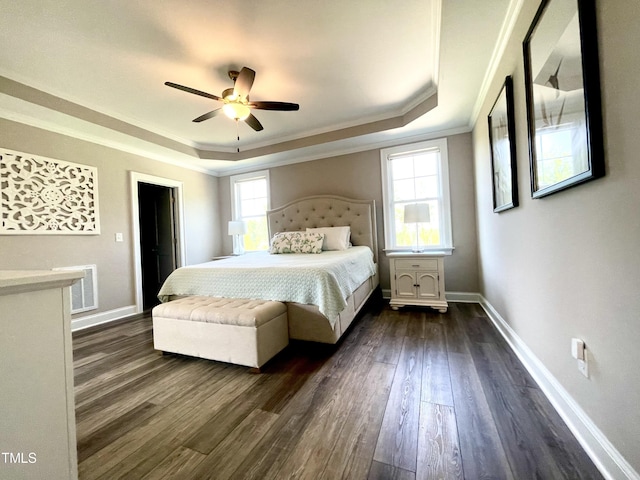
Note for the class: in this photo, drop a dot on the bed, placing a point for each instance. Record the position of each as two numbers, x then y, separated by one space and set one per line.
324 309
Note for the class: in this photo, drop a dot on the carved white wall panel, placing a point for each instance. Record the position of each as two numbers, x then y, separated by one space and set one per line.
41 196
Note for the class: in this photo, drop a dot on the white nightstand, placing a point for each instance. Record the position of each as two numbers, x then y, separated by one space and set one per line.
417 279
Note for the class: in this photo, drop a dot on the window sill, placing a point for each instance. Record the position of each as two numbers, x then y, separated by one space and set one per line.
426 252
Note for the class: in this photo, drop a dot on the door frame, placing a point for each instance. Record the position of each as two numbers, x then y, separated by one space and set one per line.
178 215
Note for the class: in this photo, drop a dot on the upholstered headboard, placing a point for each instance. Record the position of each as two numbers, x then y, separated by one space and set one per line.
328 211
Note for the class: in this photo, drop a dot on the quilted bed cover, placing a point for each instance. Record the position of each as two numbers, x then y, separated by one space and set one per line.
325 279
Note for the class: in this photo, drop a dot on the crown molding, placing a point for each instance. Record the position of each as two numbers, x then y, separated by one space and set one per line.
513 12
330 151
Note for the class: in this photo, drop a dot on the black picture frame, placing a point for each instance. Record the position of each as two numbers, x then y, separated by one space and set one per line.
502 133
562 84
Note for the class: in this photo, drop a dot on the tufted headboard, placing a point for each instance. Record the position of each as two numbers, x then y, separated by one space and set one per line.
328 211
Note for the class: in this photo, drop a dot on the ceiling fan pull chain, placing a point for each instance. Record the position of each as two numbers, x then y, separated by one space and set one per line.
238 135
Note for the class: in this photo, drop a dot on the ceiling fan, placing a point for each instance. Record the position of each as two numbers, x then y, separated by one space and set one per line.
237 105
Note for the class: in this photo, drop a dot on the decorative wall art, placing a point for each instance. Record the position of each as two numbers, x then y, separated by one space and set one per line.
562 81
502 132
41 196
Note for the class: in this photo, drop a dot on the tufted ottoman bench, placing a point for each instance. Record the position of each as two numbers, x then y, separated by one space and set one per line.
233 330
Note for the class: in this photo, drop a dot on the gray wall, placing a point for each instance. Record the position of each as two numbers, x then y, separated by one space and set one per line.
207 209
358 175
569 265
115 261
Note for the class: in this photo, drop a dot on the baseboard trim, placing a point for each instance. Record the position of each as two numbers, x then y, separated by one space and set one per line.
103 317
606 457
461 297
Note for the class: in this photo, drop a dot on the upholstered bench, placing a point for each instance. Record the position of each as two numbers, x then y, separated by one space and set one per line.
241 331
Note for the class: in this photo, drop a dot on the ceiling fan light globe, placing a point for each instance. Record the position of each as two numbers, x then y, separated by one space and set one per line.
236 111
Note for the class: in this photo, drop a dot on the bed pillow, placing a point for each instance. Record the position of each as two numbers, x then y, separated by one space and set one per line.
296 242
335 238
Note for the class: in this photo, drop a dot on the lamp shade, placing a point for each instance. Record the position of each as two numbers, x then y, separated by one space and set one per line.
417 213
237 228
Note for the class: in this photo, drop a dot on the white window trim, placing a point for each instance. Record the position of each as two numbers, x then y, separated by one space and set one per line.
445 206
233 179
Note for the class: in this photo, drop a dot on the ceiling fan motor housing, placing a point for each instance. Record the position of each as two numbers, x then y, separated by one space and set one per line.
227 94
236 100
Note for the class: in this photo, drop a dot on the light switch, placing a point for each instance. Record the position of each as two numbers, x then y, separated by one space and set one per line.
119 237
577 349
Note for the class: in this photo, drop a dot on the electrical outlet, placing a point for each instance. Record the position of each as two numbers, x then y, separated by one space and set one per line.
583 365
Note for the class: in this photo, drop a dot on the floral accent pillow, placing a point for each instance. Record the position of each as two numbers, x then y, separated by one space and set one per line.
296 242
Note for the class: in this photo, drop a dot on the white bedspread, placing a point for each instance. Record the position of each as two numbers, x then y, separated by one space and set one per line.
325 279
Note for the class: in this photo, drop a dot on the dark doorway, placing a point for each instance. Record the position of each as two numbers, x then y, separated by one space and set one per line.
157 238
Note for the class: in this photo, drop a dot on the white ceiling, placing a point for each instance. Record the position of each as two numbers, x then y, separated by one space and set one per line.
366 72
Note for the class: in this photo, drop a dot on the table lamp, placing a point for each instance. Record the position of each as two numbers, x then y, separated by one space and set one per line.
417 213
236 229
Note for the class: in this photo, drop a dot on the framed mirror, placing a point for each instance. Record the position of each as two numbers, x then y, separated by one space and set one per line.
562 81
502 132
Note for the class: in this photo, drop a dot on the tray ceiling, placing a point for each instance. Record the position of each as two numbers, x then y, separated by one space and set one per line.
363 72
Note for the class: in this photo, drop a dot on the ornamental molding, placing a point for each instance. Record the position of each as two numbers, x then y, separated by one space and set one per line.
43 196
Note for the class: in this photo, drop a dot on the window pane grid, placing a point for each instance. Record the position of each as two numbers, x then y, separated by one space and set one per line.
253 207
250 206
555 157
256 237
408 233
253 188
415 177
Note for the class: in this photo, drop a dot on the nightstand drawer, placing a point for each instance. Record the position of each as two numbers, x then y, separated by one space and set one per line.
416 263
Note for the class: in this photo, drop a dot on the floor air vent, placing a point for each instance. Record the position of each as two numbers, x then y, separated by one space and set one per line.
84 293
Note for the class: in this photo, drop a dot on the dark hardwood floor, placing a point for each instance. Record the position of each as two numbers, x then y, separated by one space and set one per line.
411 394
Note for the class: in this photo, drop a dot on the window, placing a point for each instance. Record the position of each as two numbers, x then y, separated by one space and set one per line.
556 159
249 203
417 173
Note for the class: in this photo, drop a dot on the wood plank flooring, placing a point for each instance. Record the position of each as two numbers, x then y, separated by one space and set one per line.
409 394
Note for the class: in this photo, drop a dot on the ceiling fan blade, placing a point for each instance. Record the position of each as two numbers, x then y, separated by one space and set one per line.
244 82
207 115
192 90
253 123
282 106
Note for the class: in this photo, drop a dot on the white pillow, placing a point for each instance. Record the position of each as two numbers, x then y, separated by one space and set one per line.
335 238
296 242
